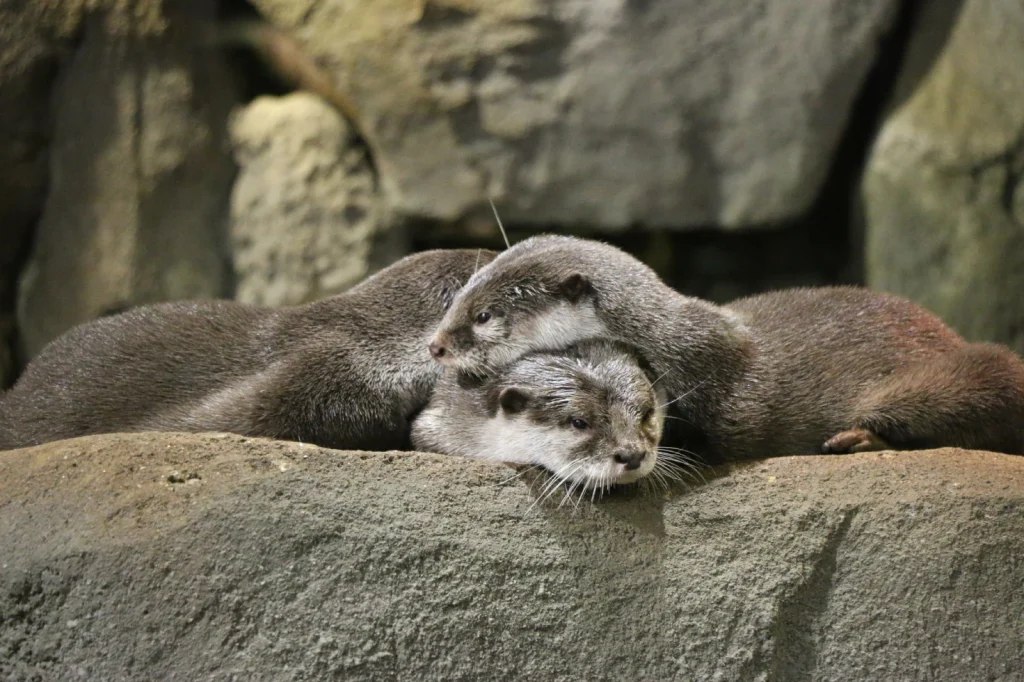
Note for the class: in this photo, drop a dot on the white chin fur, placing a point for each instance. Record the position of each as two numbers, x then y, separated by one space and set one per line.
513 439
561 325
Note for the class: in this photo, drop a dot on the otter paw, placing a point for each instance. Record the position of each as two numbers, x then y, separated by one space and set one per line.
854 440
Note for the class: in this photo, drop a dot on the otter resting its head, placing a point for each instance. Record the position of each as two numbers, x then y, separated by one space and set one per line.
591 414
531 303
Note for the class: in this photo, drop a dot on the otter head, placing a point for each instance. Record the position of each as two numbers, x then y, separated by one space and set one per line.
590 415
503 313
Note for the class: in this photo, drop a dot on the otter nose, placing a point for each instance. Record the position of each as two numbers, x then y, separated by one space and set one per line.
631 459
437 350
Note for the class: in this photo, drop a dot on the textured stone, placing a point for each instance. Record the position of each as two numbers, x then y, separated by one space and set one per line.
612 113
139 183
158 556
306 220
944 187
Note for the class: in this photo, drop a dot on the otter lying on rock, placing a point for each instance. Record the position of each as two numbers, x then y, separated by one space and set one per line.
834 369
590 414
346 372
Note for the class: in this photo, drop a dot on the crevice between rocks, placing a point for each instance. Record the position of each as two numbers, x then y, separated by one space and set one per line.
794 654
47 72
280 66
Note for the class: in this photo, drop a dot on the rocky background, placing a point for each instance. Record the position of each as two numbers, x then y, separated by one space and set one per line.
148 152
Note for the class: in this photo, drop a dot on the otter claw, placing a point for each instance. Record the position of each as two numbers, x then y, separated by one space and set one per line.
853 440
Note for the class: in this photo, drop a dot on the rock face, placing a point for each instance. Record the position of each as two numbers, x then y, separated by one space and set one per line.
944 188
306 220
32 40
139 184
181 557
669 113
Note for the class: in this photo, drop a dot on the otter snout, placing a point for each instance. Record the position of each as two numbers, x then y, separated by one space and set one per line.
440 348
631 459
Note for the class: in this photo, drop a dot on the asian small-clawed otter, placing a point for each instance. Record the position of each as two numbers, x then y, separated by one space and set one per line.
832 369
348 371
591 414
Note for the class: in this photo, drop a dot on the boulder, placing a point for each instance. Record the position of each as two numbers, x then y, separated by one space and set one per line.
667 114
306 219
943 191
162 556
140 177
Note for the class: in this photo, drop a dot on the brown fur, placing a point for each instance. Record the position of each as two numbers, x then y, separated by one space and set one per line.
838 358
348 371
786 372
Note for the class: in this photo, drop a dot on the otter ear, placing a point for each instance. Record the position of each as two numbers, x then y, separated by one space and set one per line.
513 400
575 286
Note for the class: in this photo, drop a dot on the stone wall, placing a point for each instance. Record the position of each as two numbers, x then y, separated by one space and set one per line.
216 557
144 160
944 188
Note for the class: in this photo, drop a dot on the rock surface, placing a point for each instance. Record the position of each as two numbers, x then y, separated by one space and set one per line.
306 219
158 556
669 114
944 187
140 175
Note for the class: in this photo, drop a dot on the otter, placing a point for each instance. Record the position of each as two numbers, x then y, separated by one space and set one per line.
798 371
590 414
347 372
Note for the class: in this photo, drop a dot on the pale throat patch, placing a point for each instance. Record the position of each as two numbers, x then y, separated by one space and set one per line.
561 325
517 440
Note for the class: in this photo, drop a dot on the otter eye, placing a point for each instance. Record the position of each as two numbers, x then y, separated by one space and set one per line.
648 414
483 316
579 424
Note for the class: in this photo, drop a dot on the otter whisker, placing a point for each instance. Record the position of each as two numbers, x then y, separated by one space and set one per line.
500 226
583 491
705 380
554 482
506 481
663 374
682 459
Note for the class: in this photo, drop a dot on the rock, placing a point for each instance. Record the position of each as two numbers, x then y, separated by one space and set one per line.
943 191
33 37
141 174
155 556
306 220
668 114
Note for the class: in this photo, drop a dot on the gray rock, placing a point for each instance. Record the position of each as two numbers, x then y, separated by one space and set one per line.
944 188
670 114
158 556
306 219
139 183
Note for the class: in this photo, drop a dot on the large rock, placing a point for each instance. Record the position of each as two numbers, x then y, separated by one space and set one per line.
140 178
672 113
944 188
217 557
306 219
33 38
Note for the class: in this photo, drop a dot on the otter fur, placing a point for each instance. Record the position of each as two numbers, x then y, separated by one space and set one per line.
833 369
590 414
348 371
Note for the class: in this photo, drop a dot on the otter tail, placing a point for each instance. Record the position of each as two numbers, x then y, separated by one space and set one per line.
972 397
